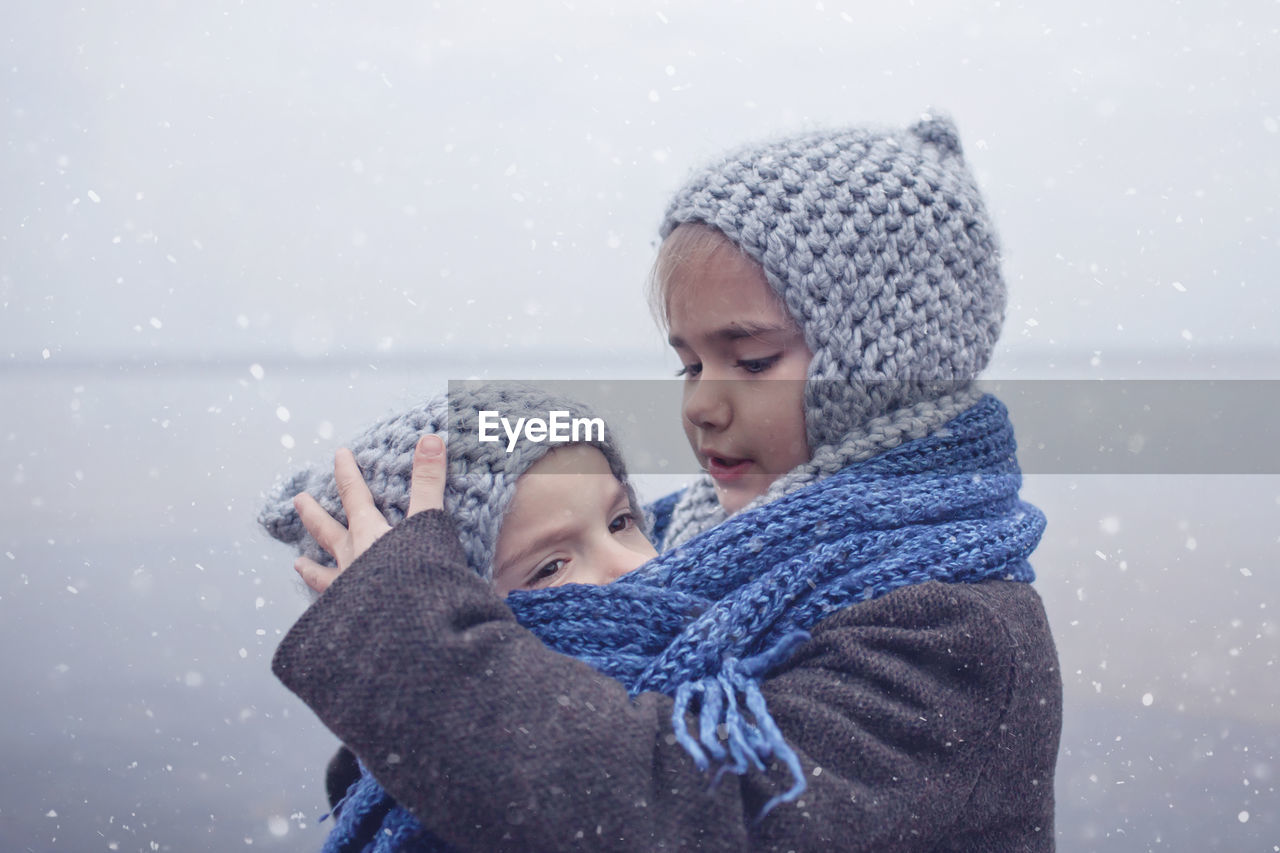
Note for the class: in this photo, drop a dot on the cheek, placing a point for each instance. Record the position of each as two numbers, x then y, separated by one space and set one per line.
797 433
783 407
781 417
637 542
797 408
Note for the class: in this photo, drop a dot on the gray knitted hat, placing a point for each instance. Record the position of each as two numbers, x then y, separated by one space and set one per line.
878 243
481 476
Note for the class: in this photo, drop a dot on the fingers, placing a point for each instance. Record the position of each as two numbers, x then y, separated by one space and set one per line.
426 490
365 523
316 576
357 501
323 527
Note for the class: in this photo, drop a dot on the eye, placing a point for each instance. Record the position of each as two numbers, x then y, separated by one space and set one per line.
547 571
690 370
623 522
758 365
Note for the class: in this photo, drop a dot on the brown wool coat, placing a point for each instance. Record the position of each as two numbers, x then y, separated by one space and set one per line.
927 719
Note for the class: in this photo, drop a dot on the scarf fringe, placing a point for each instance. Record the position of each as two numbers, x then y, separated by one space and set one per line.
751 743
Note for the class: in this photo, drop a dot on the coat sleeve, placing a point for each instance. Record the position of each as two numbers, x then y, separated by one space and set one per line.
495 742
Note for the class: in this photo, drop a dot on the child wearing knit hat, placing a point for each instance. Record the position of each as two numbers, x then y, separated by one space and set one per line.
838 647
530 515
860 266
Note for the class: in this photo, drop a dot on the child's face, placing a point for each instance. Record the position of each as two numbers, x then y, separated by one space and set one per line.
726 324
570 521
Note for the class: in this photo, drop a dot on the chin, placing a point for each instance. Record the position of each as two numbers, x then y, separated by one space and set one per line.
731 501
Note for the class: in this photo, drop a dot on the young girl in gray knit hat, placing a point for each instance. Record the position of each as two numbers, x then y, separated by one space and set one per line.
528 514
839 646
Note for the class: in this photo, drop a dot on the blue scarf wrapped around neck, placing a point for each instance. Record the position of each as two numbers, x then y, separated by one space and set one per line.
706 622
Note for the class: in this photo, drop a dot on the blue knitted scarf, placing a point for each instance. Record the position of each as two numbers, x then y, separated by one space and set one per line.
704 623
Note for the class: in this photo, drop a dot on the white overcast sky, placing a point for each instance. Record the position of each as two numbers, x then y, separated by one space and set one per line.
220 179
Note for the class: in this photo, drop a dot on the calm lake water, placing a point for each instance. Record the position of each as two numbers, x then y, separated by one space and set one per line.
140 607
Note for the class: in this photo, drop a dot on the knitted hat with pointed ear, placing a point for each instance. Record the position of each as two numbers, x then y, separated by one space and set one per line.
481 477
879 244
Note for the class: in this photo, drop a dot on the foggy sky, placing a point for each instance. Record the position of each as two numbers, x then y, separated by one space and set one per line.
315 179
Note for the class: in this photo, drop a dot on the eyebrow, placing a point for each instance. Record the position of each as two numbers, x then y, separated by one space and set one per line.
737 331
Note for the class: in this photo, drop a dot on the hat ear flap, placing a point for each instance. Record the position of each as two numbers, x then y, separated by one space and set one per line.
939 131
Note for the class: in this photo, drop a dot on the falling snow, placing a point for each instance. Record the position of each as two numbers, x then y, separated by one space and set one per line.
187 288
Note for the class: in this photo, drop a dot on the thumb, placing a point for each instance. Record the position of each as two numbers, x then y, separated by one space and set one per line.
426 489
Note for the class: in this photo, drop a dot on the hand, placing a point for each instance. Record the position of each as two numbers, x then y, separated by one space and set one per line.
345 544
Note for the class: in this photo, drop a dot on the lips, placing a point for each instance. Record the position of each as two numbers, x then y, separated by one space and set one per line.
726 469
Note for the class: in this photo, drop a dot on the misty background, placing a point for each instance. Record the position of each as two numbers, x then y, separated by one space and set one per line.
232 234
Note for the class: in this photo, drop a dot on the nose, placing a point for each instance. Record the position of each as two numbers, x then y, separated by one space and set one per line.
707 405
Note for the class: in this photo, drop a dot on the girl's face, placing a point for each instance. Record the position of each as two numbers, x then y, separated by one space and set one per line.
745 363
570 521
